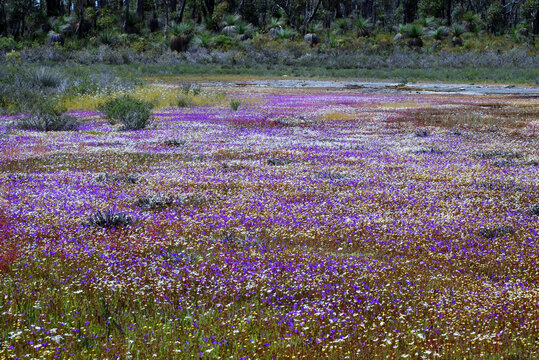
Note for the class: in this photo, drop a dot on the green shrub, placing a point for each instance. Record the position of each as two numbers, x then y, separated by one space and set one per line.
47 77
203 39
440 33
286 33
182 29
133 114
412 31
185 100
235 104
7 43
223 41
495 18
48 117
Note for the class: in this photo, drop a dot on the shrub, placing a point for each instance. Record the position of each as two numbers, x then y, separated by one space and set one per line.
498 231
440 33
223 41
181 36
48 117
362 26
278 162
412 31
203 39
154 202
48 122
125 178
110 219
182 29
46 77
185 101
108 37
235 104
7 43
174 143
286 33
186 87
133 114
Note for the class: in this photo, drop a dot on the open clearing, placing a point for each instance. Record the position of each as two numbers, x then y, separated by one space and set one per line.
310 223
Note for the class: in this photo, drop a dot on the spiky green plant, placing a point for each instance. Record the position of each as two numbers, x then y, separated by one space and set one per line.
412 31
203 39
244 28
362 26
342 24
133 114
285 33
275 23
182 29
457 31
109 219
235 104
231 20
440 33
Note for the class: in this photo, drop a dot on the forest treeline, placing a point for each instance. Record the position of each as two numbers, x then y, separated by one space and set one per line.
33 18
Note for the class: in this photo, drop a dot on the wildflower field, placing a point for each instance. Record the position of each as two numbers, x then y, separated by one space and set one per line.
305 224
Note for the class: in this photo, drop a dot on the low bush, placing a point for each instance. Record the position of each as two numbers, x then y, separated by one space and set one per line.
117 178
185 101
48 117
223 41
109 219
154 203
47 77
133 114
235 104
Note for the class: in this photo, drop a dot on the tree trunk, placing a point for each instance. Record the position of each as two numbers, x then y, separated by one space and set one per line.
3 18
52 7
166 18
409 11
140 9
126 15
182 9
448 9
535 26
310 12
210 6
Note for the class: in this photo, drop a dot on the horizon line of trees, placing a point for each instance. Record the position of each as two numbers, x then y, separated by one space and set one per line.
497 15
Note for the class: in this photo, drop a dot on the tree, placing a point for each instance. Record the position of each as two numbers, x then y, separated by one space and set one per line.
140 9
53 7
448 8
300 13
126 15
530 12
409 8
3 17
182 9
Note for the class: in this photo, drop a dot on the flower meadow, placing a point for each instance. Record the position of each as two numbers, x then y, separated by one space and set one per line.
306 224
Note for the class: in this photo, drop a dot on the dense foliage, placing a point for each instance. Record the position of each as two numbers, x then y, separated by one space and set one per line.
133 114
149 25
